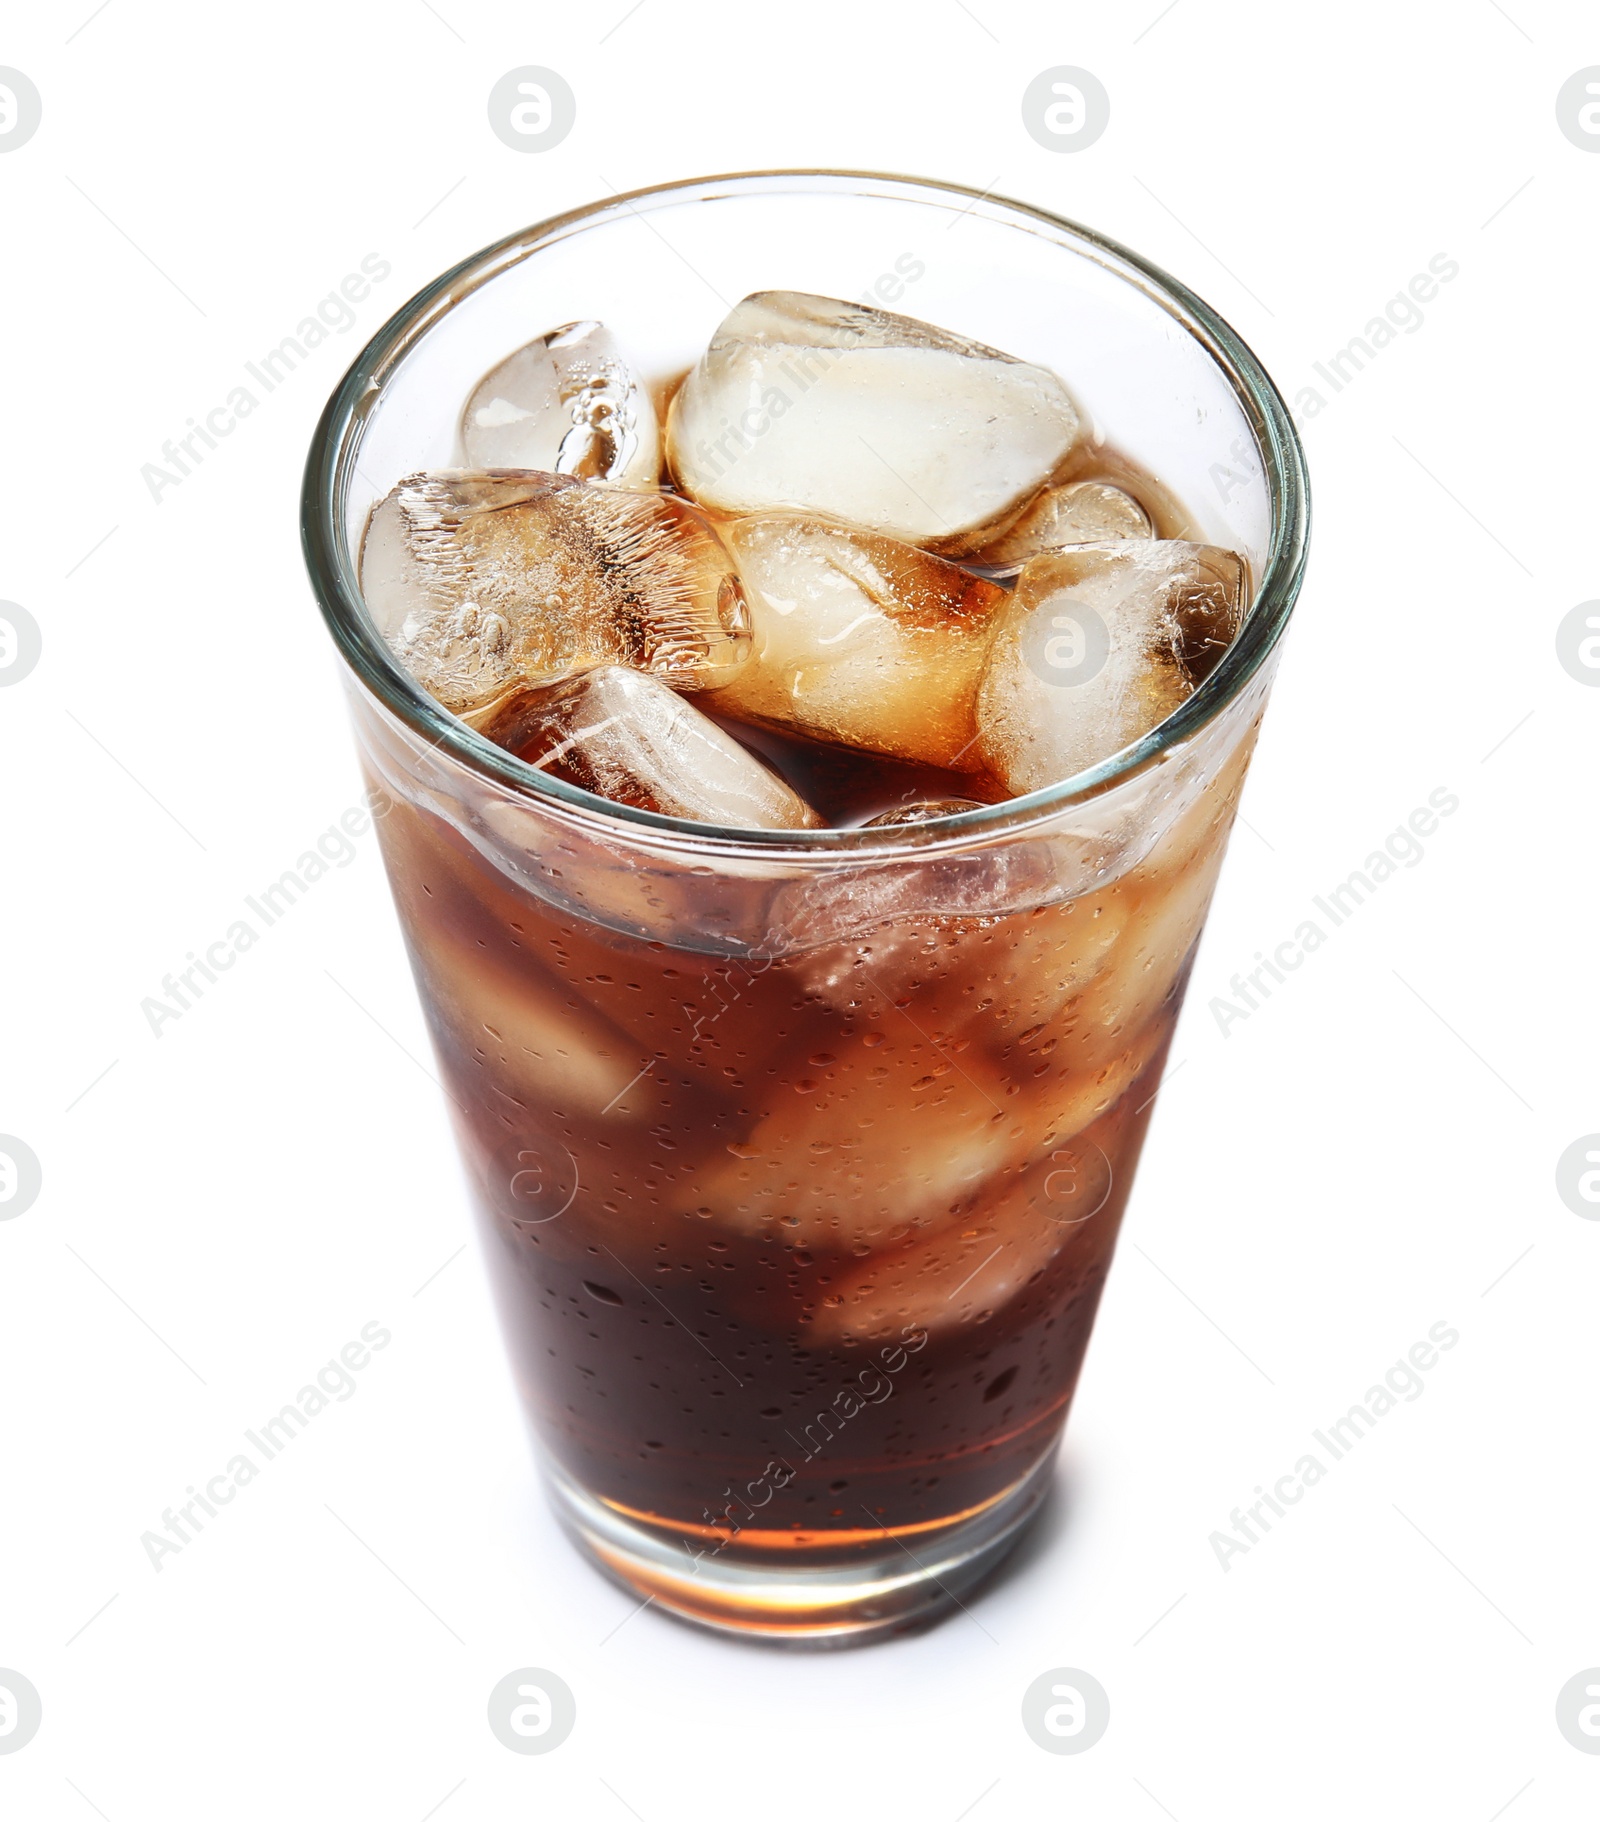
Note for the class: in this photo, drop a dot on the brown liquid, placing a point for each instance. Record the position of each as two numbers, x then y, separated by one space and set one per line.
738 1299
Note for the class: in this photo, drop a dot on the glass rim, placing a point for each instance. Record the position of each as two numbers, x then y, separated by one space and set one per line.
331 466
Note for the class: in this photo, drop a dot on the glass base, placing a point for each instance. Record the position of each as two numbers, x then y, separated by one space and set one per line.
820 1593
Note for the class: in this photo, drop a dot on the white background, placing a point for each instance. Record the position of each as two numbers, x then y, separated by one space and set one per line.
1370 1153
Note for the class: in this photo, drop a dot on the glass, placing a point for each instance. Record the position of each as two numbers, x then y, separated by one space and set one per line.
799 1157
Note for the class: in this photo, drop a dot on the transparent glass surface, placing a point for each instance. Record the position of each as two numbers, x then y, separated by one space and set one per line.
799 1157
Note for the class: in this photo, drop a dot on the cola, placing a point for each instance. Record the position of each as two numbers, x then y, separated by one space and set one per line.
798 1241
806 773
798 1253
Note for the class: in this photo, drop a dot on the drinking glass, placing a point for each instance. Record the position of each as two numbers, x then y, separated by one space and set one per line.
799 1157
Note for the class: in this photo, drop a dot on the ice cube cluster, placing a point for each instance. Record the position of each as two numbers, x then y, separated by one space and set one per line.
853 529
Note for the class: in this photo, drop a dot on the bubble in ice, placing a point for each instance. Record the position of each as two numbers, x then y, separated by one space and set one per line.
480 580
568 403
1099 644
630 738
832 407
860 640
1084 512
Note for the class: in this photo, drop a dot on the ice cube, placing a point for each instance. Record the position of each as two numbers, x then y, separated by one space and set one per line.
533 1039
1166 911
628 737
483 579
568 403
926 811
1092 1069
889 1133
1059 1217
833 407
1084 512
1099 644
985 981
860 640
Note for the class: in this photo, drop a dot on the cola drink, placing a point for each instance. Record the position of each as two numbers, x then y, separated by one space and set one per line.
802 850
798 1243
796 1251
